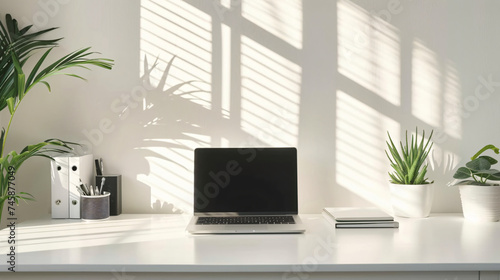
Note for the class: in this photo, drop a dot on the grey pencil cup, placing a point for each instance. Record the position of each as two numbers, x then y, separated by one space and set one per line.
95 207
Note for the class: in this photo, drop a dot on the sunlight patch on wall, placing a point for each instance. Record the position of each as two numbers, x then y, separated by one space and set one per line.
171 28
174 113
443 160
226 3
361 163
270 95
164 173
426 85
226 71
283 19
171 172
452 119
369 51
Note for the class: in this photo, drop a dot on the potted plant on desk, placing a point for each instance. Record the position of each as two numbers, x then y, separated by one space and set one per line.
411 191
16 48
480 196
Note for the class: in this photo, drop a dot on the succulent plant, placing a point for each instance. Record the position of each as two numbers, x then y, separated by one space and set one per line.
408 164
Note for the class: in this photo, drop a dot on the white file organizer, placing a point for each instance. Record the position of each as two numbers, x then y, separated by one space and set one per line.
66 173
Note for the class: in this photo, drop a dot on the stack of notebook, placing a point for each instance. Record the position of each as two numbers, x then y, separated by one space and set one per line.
359 218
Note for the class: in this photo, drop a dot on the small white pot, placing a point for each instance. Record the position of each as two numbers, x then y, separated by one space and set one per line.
412 201
480 203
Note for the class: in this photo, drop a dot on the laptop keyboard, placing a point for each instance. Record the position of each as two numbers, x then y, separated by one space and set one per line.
245 220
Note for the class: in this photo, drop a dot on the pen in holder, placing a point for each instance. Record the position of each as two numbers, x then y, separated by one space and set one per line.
95 207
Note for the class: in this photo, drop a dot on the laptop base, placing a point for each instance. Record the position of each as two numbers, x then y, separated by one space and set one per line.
193 228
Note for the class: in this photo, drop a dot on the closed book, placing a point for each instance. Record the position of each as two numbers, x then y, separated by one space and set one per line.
388 224
359 218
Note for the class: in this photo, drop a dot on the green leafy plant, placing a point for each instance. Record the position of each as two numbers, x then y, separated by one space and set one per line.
479 169
17 46
409 167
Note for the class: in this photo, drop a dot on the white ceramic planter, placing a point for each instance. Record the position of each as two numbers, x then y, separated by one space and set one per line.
480 203
412 201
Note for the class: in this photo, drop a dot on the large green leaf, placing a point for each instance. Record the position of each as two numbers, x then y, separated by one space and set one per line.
491 174
74 59
479 164
462 173
37 66
489 159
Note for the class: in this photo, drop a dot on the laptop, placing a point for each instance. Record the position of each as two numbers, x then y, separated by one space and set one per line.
245 190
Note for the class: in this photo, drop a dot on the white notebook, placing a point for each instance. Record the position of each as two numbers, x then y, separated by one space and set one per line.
349 214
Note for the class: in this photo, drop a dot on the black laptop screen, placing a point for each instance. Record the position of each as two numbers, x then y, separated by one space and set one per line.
245 180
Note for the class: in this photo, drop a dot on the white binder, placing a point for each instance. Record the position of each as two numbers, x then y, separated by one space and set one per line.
59 187
66 173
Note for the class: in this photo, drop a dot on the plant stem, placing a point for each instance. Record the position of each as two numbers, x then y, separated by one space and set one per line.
475 179
8 128
2 202
487 147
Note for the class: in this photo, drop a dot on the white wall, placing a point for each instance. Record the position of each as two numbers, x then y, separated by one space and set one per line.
330 77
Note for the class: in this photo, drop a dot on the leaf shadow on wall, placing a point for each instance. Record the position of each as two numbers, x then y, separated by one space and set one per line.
159 138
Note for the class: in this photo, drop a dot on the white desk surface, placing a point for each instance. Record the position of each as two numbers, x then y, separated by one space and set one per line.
159 243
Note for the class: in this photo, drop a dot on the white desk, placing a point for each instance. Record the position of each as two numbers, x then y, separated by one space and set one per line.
127 246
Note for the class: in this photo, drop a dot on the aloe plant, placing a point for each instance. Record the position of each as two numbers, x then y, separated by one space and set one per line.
479 169
16 48
408 163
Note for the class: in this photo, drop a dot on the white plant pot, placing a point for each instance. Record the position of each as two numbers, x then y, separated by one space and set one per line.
412 201
480 203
